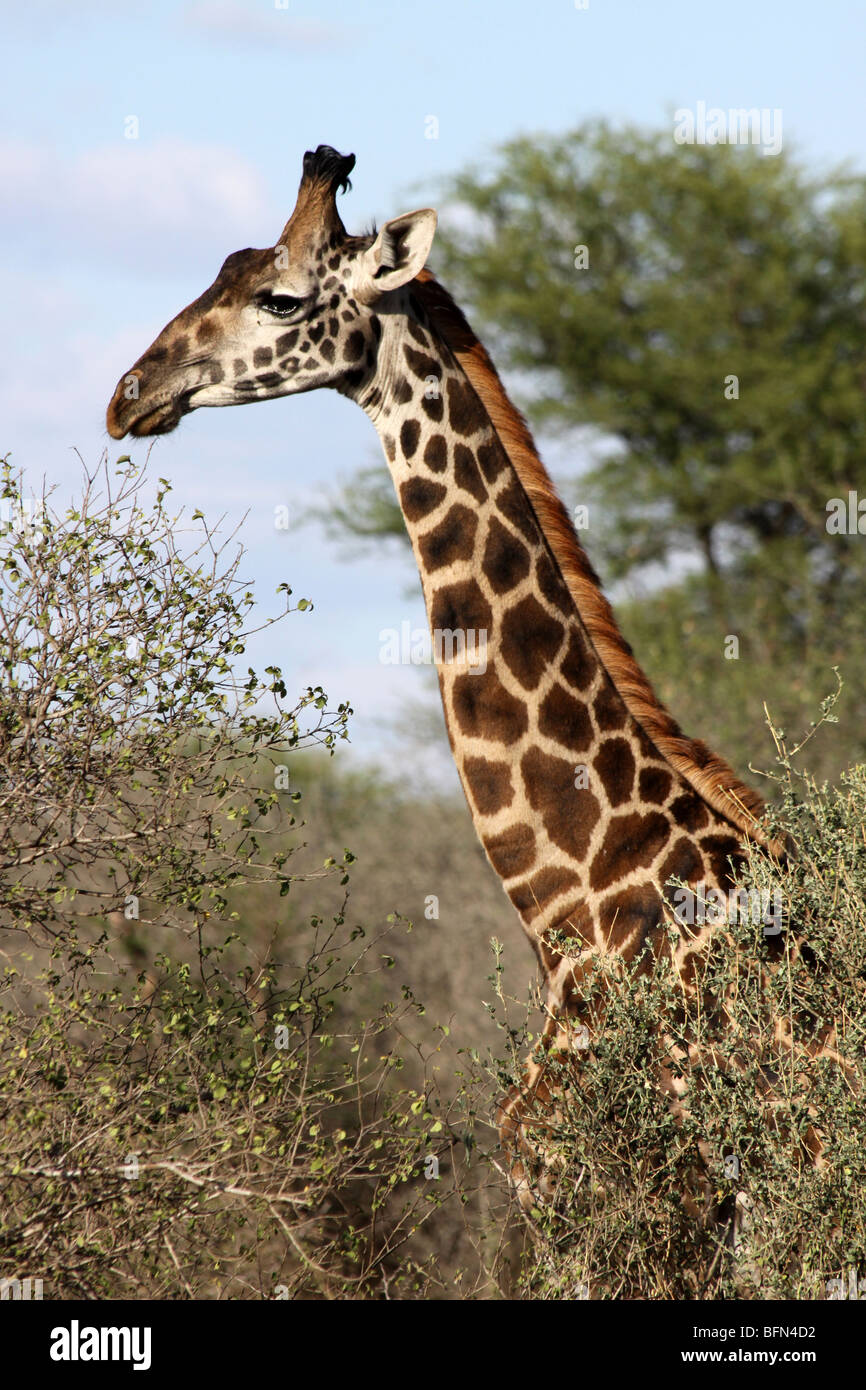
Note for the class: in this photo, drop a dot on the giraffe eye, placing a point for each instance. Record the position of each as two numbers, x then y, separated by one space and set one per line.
280 305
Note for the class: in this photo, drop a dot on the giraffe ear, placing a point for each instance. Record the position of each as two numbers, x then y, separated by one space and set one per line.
396 256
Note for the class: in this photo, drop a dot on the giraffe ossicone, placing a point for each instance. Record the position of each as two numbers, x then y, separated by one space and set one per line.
585 794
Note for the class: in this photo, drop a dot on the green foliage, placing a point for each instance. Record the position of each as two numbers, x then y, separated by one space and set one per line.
193 1103
123 728
723 1200
789 632
173 1138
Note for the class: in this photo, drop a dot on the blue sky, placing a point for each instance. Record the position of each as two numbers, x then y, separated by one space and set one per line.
106 238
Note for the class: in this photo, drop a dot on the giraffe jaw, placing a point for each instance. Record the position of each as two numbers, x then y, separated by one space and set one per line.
166 414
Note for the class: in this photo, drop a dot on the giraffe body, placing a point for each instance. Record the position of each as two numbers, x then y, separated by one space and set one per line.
585 794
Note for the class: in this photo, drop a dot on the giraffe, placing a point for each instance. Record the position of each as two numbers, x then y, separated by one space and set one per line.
585 794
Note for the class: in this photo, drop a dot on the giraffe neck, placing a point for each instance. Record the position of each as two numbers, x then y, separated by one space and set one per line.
581 816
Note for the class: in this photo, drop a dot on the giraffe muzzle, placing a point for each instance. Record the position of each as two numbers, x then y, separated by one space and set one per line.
141 415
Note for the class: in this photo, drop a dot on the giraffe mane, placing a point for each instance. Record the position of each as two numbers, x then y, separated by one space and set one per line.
707 773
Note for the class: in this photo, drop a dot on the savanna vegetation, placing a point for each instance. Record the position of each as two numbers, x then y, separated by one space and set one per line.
246 1049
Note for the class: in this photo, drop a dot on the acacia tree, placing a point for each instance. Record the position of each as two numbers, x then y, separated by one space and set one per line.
702 263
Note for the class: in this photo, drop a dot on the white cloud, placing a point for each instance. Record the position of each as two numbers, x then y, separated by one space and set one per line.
136 204
230 20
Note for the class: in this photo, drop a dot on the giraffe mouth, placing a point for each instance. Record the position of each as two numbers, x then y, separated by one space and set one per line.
161 418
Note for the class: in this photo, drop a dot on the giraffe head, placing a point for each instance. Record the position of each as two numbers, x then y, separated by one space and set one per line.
298 315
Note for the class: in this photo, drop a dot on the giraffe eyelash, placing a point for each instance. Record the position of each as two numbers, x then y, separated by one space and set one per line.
280 305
